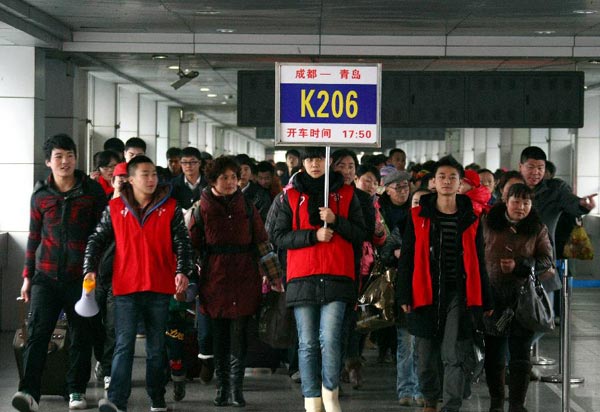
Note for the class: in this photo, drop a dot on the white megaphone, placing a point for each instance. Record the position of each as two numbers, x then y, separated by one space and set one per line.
87 306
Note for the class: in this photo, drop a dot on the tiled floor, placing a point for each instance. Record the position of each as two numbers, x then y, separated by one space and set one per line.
266 392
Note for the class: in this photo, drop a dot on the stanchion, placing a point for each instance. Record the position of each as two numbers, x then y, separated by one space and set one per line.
536 359
564 372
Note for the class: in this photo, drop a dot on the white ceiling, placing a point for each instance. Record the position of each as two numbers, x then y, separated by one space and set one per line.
121 36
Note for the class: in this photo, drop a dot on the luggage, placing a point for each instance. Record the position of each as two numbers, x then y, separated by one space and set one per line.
259 354
57 360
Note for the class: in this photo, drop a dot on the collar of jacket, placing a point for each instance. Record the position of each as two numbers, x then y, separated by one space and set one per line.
160 196
48 184
336 180
466 216
497 222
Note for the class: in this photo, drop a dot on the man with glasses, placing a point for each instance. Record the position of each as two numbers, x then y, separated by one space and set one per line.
188 186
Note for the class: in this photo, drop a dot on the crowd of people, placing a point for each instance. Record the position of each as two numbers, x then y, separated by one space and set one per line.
161 243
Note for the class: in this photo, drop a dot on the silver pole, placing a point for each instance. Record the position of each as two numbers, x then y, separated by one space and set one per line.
564 372
564 322
326 195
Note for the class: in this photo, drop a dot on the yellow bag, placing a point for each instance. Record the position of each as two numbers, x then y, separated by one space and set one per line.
579 245
377 303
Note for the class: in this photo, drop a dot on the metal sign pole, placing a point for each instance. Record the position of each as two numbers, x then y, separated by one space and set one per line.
564 372
326 194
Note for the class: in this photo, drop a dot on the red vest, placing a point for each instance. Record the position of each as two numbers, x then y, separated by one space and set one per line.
422 289
144 258
335 257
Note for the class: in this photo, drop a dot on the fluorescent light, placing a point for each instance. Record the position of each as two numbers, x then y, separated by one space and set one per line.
204 89
159 56
211 95
207 12
585 11
174 67
545 32
226 30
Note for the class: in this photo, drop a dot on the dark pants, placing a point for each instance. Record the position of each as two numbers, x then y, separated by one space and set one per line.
205 337
452 352
153 310
104 344
48 299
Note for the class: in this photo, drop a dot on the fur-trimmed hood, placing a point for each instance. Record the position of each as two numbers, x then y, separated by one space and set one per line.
497 221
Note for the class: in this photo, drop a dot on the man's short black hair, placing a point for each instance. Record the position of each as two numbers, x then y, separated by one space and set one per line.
135 142
102 159
173 152
244 159
115 144
363 169
339 154
191 152
532 152
506 176
59 141
265 166
133 163
480 171
394 151
313 152
292 152
449 161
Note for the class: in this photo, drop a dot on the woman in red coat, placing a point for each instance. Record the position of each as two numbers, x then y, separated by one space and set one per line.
230 284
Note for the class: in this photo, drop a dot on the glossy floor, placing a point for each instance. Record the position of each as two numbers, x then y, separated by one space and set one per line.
275 392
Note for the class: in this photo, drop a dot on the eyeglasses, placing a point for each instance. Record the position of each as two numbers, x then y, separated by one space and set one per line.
192 163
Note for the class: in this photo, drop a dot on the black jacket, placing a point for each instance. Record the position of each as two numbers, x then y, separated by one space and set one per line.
183 194
429 321
260 197
322 288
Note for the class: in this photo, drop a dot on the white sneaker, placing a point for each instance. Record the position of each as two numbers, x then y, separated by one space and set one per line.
24 402
106 382
77 401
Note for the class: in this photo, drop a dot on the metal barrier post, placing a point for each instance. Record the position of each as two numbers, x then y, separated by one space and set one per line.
564 372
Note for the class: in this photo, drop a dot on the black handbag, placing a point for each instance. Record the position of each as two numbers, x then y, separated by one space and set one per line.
534 311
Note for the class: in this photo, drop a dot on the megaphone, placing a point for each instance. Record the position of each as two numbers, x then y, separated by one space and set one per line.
87 306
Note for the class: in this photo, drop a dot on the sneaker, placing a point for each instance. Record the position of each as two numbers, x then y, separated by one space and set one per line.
405 401
104 405
24 402
159 405
106 382
77 401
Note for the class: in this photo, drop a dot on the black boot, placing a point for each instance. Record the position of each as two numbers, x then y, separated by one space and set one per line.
237 381
517 387
222 375
494 376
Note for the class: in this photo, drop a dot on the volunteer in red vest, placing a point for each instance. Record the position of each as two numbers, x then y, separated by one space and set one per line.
443 284
153 259
320 272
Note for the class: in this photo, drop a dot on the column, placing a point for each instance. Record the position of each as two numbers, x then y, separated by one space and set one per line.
22 132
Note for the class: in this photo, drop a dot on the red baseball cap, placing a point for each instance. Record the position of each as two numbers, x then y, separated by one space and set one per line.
120 169
472 178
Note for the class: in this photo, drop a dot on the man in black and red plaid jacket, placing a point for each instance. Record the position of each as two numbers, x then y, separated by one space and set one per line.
65 209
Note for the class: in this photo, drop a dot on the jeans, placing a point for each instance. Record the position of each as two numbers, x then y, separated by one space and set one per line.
48 299
452 352
205 338
319 331
407 382
153 310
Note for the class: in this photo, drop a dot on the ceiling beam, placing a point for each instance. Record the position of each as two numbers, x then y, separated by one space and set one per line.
33 21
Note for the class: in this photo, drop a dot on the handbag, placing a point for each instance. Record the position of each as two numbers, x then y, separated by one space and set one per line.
376 304
534 311
276 322
579 245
